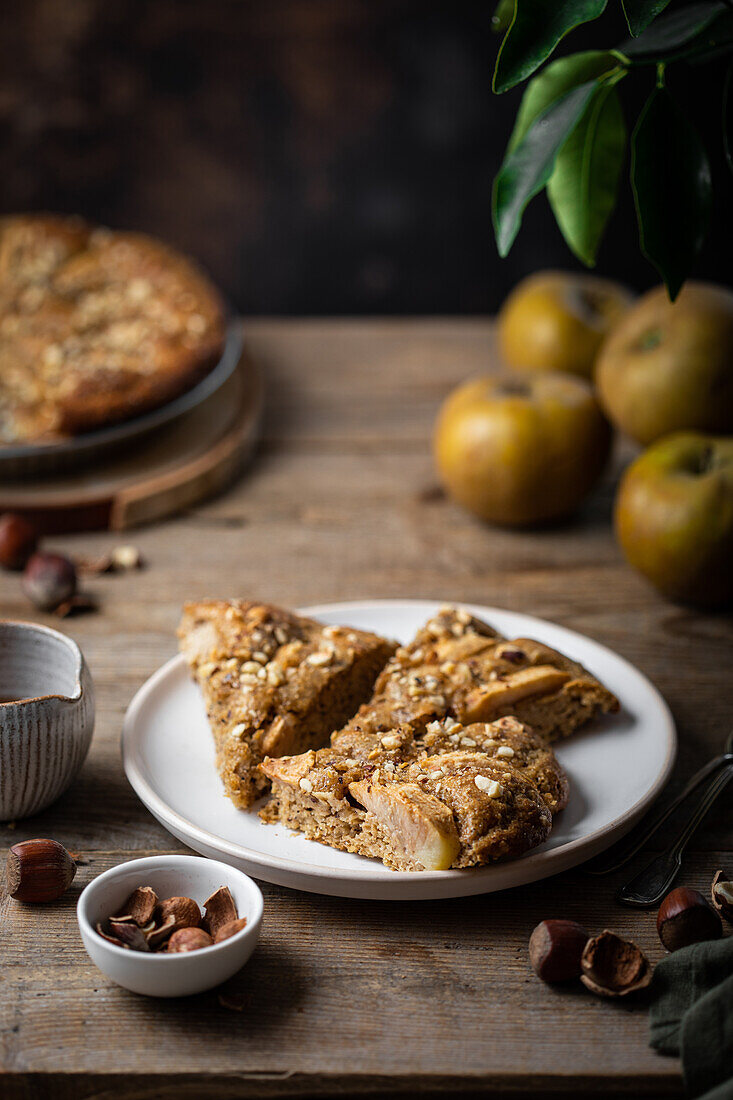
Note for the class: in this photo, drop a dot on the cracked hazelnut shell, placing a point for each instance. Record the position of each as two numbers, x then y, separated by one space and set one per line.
39 870
184 911
721 893
188 939
555 950
614 967
686 917
230 929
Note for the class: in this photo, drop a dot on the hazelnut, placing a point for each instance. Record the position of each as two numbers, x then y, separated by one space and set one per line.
686 917
188 939
39 870
555 949
184 911
18 540
722 895
230 929
140 905
219 909
131 935
49 580
612 967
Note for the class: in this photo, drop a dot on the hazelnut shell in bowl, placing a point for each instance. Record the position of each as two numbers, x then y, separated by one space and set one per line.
178 973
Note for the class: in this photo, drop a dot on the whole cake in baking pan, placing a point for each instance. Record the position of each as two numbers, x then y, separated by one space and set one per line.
96 327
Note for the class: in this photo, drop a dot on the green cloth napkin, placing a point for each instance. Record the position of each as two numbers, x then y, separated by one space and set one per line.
692 1015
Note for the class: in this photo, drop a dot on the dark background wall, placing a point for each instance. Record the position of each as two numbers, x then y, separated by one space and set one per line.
319 156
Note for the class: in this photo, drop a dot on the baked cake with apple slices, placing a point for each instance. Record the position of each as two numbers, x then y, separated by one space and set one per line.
452 708
274 683
459 666
421 804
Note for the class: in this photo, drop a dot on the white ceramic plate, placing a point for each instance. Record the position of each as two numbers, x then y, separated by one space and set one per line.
617 768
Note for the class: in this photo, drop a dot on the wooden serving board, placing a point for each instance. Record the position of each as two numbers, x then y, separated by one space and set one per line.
155 477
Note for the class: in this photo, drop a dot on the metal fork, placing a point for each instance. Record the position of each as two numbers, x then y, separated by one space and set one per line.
650 885
622 852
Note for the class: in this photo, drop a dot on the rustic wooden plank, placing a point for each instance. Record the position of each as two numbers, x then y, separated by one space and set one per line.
335 978
358 996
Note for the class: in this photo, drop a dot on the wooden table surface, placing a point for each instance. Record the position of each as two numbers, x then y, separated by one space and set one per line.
350 997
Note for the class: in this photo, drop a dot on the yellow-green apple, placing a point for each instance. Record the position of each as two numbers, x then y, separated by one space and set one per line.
556 320
674 517
521 449
668 366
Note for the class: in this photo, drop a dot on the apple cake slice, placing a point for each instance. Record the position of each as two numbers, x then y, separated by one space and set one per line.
448 764
414 808
274 683
459 666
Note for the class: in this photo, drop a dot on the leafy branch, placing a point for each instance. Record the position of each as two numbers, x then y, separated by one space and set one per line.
570 136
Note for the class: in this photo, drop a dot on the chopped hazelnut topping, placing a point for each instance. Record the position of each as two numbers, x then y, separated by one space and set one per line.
390 741
321 657
505 751
305 785
489 786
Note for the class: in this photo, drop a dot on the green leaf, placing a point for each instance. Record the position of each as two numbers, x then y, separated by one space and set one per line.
639 13
584 184
527 168
670 176
674 32
502 17
535 30
714 41
555 81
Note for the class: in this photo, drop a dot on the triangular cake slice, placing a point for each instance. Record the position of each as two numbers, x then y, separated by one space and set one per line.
274 683
450 717
423 804
458 666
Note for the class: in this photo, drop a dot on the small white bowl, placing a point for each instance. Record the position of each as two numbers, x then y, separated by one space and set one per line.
47 721
162 975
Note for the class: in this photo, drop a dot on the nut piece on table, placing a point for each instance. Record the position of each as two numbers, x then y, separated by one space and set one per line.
613 967
18 540
686 917
39 870
188 939
49 580
556 948
722 895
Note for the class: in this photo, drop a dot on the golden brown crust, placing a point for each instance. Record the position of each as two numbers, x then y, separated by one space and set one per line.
448 714
414 808
96 326
460 667
274 683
